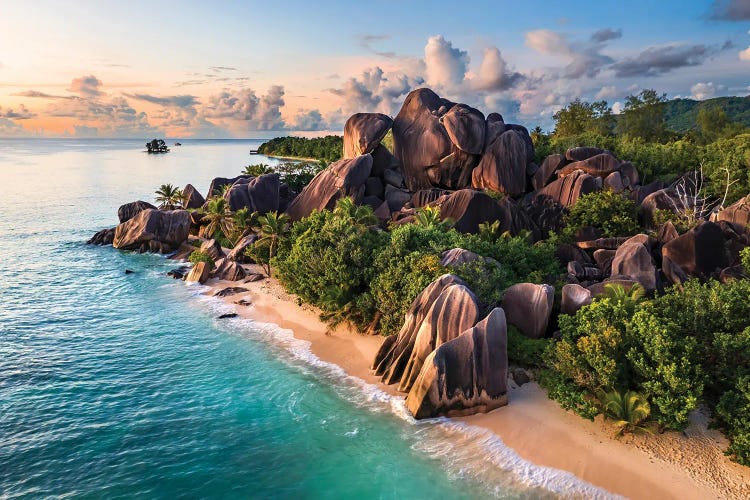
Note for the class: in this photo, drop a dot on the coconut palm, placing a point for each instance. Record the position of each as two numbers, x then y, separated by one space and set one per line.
219 217
168 197
360 215
271 227
429 217
618 293
629 411
258 169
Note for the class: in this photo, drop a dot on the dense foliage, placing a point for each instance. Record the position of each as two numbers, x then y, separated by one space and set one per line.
296 175
611 213
327 149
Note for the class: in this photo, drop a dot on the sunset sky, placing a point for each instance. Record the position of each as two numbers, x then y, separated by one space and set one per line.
182 69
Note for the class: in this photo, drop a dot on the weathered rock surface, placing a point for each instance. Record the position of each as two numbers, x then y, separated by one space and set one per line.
738 212
701 252
574 297
469 208
567 190
600 165
212 249
363 133
528 307
390 360
495 127
238 252
228 270
633 259
454 311
546 170
103 237
257 194
583 153
503 166
200 273
193 199
151 229
341 179
466 128
465 375
130 210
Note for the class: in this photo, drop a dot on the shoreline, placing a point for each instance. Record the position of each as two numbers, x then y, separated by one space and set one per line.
290 158
670 465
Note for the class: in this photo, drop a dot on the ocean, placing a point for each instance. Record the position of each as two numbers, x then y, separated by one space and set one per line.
116 385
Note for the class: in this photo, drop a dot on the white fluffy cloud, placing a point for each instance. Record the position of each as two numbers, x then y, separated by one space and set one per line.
701 91
445 65
744 55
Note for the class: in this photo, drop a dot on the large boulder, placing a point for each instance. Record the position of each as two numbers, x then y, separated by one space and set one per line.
193 199
574 297
583 153
545 171
503 166
466 128
701 253
130 210
528 307
363 133
567 190
454 311
420 141
214 189
343 178
228 270
390 360
465 375
153 230
257 194
633 259
200 272
103 237
495 127
739 212
237 253
468 208
213 249
600 165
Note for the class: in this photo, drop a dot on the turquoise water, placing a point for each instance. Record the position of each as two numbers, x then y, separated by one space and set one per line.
115 385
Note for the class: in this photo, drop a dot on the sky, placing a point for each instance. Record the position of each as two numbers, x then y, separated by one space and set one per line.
262 69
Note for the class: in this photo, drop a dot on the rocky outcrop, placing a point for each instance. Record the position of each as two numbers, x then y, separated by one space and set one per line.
130 210
200 273
214 189
528 307
228 270
583 153
212 249
192 198
566 191
633 259
600 165
103 237
390 360
465 375
468 208
257 194
153 230
546 170
341 179
238 252
454 310
466 128
574 297
503 166
700 253
363 133
738 212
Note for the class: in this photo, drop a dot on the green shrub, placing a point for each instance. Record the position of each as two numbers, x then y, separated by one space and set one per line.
524 351
610 212
201 256
569 395
734 412
745 258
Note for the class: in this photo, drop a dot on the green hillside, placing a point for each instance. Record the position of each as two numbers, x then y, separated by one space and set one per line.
681 114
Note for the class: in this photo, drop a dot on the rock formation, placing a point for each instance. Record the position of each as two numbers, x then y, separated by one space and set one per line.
363 133
257 194
528 307
192 198
130 210
153 230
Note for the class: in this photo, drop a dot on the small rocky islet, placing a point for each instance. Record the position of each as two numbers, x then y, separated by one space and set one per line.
450 356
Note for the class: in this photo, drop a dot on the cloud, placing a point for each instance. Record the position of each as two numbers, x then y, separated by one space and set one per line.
584 57
41 95
493 72
744 55
9 128
606 35
701 91
222 68
180 101
310 120
21 114
86 86
260 112
731 10
655 61
607 92
366 41
445 66
375 90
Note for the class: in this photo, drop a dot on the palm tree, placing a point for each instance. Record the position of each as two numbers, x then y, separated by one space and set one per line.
242 221
429 217
489 230
258 169
271 228
219 217
360 215
168 196
628 410
618 293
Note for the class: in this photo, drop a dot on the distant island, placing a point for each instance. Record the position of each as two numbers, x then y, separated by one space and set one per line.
607 261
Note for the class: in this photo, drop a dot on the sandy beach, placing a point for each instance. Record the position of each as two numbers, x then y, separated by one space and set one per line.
688 465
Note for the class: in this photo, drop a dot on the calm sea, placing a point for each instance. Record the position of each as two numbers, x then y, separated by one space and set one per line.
115 385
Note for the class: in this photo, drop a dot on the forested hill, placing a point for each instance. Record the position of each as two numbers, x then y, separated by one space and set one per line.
681 114
327 149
